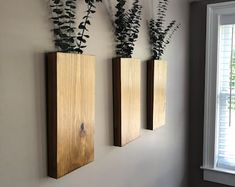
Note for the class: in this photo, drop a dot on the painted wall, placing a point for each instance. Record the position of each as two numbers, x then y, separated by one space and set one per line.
156 159
197 84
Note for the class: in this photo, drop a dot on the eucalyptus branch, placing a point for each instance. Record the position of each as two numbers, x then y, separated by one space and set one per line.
70 9
120 26
159 35
134 18
127 27
169 36
64 18
83 27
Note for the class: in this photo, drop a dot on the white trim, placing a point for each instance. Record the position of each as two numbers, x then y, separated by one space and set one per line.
219 176
210 89
211 173
220 170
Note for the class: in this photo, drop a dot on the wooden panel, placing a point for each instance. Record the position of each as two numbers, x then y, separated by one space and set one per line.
71 112
156 96
126 84
116 66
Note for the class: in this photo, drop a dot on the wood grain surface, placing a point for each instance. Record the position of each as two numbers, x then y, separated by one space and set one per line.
156 94
126 99
71 112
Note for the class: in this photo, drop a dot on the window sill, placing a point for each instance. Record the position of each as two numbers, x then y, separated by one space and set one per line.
217 175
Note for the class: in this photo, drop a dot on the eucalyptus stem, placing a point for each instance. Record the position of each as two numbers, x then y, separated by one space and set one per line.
63 18
127 27
159 35
85 23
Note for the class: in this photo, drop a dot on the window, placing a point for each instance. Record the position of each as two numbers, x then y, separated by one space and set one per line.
219 130
225 145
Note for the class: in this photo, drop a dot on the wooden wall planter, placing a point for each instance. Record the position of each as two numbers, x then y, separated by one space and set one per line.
71 112
126 100
156 94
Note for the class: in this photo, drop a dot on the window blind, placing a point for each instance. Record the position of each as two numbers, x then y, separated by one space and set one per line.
225 146
227 19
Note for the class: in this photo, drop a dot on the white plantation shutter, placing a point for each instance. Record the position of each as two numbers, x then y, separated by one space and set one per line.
225 128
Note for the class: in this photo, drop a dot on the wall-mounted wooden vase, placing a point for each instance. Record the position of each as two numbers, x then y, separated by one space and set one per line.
71 112
156 93
126 100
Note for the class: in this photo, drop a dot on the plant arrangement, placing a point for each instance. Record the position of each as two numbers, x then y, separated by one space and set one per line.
160 36
69 38
127 24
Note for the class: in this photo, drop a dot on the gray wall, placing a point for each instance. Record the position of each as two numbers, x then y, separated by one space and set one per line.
197 83
156 159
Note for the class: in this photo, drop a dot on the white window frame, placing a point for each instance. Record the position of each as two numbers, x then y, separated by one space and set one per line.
211 172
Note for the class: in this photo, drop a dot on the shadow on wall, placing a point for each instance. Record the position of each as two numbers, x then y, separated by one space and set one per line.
40 94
